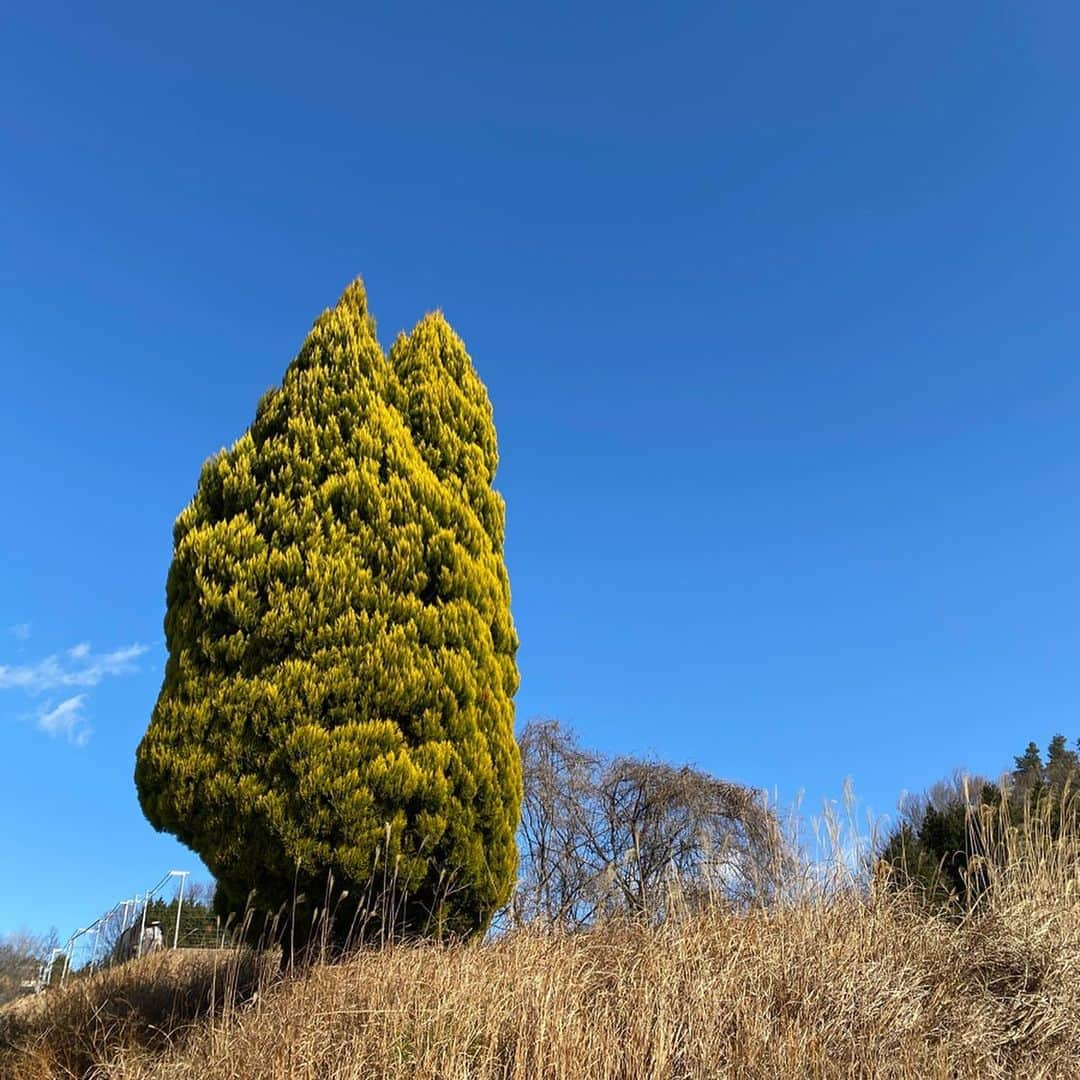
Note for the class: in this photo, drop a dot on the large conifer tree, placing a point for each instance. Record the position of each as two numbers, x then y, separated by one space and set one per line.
448 412
341 670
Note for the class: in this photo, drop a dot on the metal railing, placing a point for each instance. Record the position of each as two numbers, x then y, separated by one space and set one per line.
147 922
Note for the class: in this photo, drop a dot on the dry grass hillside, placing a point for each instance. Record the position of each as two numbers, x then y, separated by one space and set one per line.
832 982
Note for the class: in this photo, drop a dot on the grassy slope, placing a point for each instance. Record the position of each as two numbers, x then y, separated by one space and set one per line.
828 986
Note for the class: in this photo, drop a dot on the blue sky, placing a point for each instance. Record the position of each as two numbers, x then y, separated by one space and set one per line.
776 304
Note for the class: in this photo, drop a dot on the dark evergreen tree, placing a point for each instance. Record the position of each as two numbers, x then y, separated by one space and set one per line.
934 851
934 848
191 923
1062 765
1028 775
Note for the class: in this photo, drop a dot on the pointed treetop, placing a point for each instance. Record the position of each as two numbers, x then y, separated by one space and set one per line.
1057 746
1062 764
344 337
437 334
1029 764
447 404
354 298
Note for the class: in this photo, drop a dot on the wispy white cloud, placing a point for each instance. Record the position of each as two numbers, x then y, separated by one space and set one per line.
68 719
20 631
78 668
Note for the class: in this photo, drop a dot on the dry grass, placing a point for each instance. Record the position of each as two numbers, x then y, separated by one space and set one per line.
836 982
147 1004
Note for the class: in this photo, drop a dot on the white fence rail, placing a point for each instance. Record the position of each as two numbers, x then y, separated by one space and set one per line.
131 928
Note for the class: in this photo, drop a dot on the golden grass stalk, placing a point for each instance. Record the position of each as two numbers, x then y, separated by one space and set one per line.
854 979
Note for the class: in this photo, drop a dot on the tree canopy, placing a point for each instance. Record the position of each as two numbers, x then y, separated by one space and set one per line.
338 694
944 836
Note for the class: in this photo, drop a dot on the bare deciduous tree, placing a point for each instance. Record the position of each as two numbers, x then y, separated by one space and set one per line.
604 836
21 956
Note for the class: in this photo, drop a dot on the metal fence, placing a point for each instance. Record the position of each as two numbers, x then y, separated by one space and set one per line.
160 918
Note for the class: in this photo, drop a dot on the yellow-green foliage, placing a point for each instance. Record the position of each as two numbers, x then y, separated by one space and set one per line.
339 689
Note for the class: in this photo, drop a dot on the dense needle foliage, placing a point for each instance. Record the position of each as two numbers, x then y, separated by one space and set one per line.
338 696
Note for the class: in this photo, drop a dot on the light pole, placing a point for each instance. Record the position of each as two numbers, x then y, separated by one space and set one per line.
93 950
182 875
142 926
